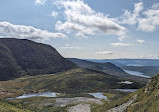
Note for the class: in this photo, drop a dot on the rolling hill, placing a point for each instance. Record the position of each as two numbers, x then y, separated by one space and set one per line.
73 81
128 62
108 68
24 57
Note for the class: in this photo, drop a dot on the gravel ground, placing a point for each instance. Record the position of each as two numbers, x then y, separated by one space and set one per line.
80 108
65 101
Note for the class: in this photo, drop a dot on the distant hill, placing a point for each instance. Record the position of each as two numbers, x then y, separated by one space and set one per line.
108 68
129 62
147 70
24 57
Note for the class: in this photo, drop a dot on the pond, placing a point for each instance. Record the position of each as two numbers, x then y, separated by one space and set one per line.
126 90
28 95
126 82
98 95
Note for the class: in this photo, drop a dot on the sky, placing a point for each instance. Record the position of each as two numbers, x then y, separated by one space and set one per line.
87 29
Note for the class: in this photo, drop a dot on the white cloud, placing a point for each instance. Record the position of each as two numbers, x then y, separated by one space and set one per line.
150 22
68 26
68 46
141 41
41 2
150 56
131 18
82 19
27 32
120 44
105 52
155 6
79 35
54 14
145 19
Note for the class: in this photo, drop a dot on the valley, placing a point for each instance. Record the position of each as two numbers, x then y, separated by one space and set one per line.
66 85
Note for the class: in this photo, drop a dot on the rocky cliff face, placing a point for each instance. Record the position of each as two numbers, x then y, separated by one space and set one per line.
24 57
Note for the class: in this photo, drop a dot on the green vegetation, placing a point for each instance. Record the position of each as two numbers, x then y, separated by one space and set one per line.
109 95
71 82
148 98
146 101
6 106
40 104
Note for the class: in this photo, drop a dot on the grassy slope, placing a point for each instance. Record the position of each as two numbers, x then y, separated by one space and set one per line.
147 99
6 106
40 104
73 81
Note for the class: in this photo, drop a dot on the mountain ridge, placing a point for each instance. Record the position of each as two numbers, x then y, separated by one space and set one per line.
25 57
108 68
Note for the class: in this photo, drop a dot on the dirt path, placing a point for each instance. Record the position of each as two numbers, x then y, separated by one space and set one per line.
122 107
80 108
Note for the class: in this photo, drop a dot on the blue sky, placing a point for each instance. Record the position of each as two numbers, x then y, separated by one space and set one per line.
98 29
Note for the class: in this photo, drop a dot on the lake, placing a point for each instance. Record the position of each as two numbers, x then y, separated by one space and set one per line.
136 73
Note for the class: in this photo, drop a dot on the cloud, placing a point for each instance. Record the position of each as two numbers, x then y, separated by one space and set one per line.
120 44
80 35
27 32
68 46
145 19
68 27
141 41
150 56
105 52
41 2
80 18
54 14
150 22
131 18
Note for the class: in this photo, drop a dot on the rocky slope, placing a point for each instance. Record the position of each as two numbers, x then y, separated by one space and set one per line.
145 99
25 57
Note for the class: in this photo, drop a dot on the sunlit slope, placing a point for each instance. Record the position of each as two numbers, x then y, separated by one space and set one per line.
77 80
11 107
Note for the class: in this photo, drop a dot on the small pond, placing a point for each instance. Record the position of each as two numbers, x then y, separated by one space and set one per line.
28 95
98 95
126 90
126 82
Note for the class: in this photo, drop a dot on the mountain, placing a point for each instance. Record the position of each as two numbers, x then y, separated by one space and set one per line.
25 57
129 62
108 68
